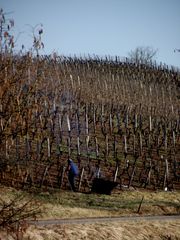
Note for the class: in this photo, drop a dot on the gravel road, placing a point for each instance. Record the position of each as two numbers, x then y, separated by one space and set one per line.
103 220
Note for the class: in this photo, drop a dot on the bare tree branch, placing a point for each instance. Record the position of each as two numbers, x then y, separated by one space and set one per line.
143 54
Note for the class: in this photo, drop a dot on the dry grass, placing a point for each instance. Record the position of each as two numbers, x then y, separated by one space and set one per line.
64 204
111 231
73 205
125 231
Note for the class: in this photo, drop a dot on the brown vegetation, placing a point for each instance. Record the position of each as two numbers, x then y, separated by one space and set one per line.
121 118
76 205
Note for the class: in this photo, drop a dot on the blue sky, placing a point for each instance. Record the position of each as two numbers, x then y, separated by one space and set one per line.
103 27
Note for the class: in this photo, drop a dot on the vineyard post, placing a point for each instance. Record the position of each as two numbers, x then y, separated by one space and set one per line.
43 176
94 119
17 149
27 146
80 180
97 147
7 148
60 127
49 148
69 136
110 123
116 173
62 176
87 130
132 173
166 175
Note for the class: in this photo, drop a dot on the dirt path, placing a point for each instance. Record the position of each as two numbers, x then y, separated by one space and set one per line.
104 219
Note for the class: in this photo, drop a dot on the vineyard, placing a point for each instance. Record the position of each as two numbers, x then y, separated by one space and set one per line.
116 119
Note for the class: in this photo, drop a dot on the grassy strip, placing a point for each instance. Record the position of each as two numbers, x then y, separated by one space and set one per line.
62 204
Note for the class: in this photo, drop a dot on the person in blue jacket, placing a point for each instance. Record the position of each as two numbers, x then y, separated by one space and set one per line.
72 173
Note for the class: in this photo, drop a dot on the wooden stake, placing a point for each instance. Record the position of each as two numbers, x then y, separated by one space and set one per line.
134 144
87 144
44 175
97 148
132 174
140 141
7 147
78 145
116 173
110 123
94 119
125 144
62 176
80 180
140 204
68 124
87 126
174 140
150 123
